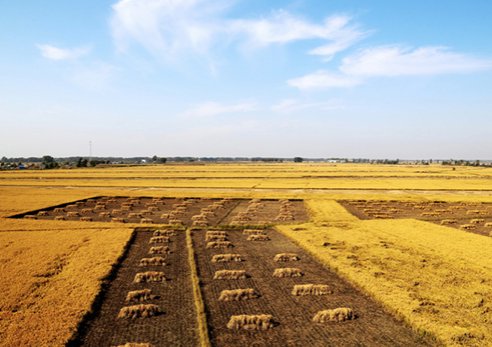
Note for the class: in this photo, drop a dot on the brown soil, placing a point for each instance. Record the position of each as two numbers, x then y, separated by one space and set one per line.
464 215
175 326
221 216
293 314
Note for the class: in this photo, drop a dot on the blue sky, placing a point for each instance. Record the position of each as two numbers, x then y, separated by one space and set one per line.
309 78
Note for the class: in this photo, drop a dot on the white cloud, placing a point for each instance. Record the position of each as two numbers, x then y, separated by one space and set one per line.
293 105
398 61
391 61
213 108
56 53
171 28
325 79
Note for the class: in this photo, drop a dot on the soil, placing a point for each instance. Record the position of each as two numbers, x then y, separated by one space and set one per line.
293 314
224 215
461 213
175 326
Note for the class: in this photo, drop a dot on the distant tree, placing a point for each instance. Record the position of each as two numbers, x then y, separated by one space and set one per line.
154 158
93 162
298 160
84 163
48 159
162 160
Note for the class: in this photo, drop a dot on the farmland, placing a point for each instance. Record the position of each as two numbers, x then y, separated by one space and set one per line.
67 280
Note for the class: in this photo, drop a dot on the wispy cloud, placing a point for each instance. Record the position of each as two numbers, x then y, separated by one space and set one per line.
325 79
398 61
171 28
209 109
294 105
391 61
56 53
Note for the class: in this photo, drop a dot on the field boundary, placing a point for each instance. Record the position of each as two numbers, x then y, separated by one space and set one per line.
195 281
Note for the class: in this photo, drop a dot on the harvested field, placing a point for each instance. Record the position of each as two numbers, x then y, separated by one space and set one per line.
171 321
174 211
459 215
292 315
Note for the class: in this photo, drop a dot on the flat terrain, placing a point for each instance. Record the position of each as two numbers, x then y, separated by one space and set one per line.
176 325
372 327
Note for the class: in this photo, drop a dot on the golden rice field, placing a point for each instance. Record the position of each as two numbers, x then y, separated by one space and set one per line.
437 279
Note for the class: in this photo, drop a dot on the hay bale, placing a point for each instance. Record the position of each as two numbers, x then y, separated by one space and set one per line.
140 295
258 238
85 219
104 214
468 226
311 289
153 209
146 213
155 261
146 221
219 244
134 215
73 214
286 257
87 210
142 311
149 276
215 238
71 207
287 272
117 220
448 221
199 217
251 322
149 204
159 250
238 295
254 232
477 221
335 315
116 212
43 213
216 232
200 223
488 225
165 216
159 239
176 222
473 212
126 208
59 209
59 218
165 233
29 216
225 258
230 275
133 344
90 201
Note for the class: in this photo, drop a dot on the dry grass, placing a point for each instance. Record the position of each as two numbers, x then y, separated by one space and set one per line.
140 295
335 315
287 272
286 257
149 276
159 250
155 261
224 258
230 275
139 311
238 295
251 322
311 289
258 238
220 244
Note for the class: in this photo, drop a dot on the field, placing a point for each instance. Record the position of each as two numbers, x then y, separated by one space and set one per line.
67 280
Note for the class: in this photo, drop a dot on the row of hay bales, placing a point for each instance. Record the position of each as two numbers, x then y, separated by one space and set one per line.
202 219
156 257
255 206
286 212
218 239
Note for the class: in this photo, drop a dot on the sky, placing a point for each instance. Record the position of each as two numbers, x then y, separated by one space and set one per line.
210 78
